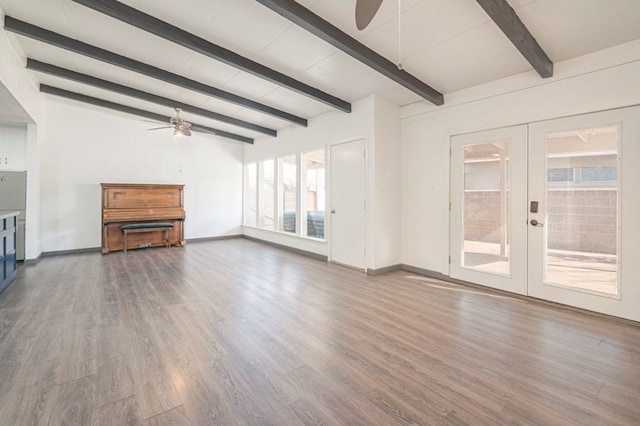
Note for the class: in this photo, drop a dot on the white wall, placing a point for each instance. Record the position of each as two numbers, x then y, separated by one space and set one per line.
83 146
33 223
329 128
598 81
385 187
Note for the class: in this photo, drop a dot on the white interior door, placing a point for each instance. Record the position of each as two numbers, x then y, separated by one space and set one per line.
578 252
488 208
348 195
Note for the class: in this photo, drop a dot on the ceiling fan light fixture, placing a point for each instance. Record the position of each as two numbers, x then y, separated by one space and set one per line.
180 127
181 130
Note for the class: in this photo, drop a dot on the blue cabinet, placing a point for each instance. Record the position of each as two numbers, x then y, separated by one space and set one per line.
8 263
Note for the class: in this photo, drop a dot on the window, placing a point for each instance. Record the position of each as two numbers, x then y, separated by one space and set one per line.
560 175
287 195
251 195
589 171
599 174
314 193
267 195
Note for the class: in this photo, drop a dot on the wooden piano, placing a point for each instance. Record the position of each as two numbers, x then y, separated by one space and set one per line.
124 204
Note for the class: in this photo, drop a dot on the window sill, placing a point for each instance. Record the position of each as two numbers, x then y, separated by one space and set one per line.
286 234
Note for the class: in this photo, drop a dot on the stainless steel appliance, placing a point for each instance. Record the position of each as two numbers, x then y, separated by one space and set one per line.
13 197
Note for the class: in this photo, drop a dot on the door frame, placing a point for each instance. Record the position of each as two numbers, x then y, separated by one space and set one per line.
515 282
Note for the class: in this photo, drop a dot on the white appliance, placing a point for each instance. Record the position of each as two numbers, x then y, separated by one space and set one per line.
13 197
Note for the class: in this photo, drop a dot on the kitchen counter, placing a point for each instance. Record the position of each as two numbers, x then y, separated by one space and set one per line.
8 263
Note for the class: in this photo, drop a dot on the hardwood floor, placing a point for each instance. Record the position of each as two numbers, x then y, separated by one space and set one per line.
234 332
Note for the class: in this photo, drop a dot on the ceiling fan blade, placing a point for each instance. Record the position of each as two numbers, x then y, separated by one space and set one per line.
163 127
365 11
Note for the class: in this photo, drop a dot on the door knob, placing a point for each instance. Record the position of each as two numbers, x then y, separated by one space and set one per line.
536 223
333 211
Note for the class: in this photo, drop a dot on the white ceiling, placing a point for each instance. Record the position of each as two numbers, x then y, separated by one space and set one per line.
448 44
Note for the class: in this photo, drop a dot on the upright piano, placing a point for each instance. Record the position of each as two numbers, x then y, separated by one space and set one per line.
127 203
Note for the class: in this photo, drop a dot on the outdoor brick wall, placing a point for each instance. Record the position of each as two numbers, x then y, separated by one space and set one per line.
579 219
583 220
482 216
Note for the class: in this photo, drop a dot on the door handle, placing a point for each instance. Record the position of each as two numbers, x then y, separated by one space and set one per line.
333 211
534 222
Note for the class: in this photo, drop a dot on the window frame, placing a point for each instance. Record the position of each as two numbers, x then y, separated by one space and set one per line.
247 213
281 194
278 194
304 211
264 198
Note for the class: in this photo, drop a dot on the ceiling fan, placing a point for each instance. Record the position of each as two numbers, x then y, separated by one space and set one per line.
365 11
180 127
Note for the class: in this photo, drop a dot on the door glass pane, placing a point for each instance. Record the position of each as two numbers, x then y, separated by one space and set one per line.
288 191
582 211
486 207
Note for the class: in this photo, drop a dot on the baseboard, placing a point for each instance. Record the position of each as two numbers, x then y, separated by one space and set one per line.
73 251
426 272
384 270
437 275
98 249
287 248
35 261
218 238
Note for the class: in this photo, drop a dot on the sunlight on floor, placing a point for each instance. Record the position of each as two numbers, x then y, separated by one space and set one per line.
585 271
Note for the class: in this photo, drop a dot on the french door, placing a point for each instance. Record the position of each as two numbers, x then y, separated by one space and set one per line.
582 249
539 210
488 190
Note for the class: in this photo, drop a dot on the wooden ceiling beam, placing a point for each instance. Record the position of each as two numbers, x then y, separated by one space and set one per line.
56 71
508 21
311 22
29 30
136 111
177 35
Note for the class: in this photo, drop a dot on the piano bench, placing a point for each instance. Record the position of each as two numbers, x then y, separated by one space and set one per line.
135 228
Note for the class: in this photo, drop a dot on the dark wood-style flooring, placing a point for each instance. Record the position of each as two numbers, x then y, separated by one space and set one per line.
234 332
